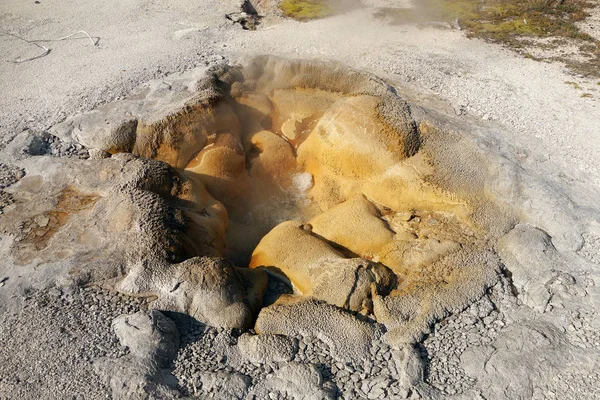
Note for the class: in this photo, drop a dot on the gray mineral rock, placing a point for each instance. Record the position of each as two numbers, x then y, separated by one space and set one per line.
208 289
223 385
153 341
348 337
148 335
267 348
511 366
349 283
530 256
296 381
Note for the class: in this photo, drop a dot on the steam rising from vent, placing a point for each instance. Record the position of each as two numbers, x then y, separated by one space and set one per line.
303 182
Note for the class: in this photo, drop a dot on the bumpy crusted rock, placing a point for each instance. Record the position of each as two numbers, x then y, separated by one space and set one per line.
148 335
132 379
223 385
104 219
153 340
109 129
408 311
348 337
350 283
528 253
132 203
146 217
294 251
254 143
208 289
298 381
409 365
267 348
316 269
130 124
511 366
355 225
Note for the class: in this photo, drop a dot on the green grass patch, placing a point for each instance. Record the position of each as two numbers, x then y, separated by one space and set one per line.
501 19
509 22
575 85
307 9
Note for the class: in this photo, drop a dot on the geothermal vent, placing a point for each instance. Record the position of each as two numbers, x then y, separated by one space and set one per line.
205 188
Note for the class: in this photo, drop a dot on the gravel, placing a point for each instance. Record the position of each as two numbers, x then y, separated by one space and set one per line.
207 349
65 330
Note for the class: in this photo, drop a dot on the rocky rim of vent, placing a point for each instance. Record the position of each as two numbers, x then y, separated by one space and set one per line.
419 245
123 222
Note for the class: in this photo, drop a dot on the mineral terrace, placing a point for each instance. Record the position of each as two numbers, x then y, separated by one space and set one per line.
294 220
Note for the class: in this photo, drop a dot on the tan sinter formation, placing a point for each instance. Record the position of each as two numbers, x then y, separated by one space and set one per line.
319 175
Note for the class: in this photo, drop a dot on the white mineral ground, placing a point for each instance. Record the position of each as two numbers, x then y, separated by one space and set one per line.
534 333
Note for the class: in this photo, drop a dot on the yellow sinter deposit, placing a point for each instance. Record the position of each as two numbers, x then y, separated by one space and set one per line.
302 166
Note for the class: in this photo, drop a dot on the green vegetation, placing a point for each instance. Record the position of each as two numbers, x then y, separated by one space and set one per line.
305 10
502 19
575 85
511 22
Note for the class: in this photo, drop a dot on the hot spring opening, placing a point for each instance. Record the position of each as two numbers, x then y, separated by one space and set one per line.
334 150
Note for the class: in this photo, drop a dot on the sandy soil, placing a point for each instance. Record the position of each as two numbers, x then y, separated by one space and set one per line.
138 41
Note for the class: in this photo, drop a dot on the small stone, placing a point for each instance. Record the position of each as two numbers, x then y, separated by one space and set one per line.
376 393
42 220
365 386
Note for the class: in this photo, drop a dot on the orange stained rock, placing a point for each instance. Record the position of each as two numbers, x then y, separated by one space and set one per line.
209 218
296 111
404 187
222 170
177 138
355 225
291 250
351 141
38 232
405 257
247 149
254 112
348 146
275 162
